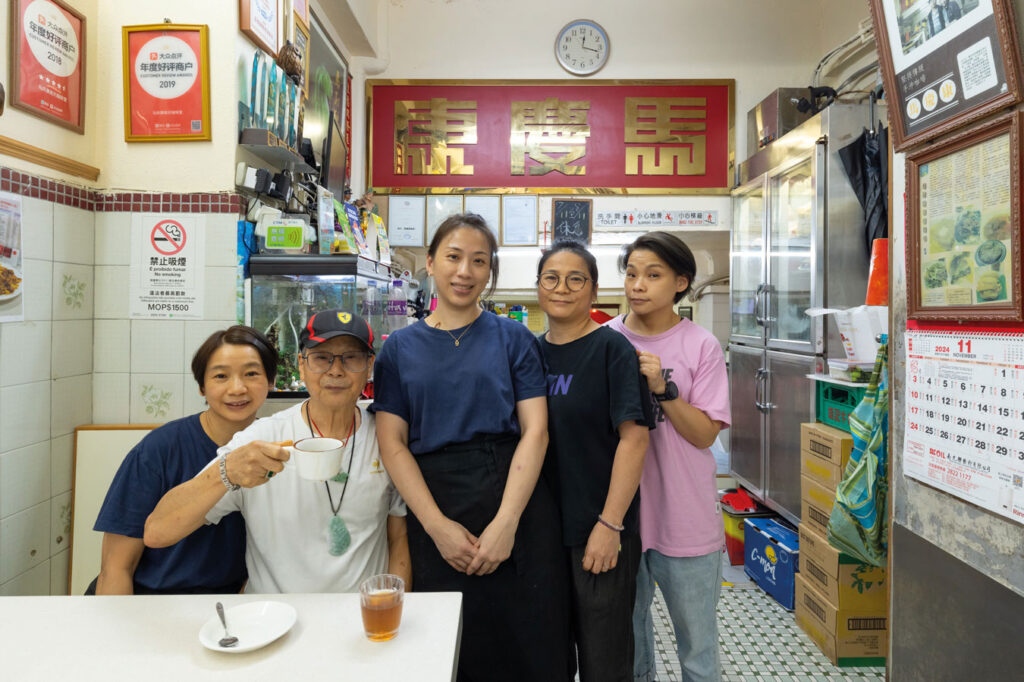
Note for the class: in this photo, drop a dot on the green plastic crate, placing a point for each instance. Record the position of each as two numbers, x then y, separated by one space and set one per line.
835 402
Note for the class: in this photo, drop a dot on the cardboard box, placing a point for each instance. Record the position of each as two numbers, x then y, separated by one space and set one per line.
816 502
771 552
824 452
846 582
846 637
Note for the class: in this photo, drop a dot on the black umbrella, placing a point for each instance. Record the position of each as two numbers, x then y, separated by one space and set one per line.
866 163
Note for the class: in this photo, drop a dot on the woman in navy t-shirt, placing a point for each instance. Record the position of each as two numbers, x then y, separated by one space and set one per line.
462 427
234 369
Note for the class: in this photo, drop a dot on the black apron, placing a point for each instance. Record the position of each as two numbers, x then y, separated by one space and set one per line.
515 621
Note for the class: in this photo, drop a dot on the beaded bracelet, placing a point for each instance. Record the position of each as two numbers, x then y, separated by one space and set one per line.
222 463
617 529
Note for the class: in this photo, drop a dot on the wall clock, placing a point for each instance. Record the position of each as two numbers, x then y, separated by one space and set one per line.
582 47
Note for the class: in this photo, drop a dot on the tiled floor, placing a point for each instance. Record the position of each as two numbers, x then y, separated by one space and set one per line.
759 640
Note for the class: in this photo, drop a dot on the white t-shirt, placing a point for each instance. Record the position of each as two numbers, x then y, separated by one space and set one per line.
286 519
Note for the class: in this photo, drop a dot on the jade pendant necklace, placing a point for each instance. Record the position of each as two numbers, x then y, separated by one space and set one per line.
340 538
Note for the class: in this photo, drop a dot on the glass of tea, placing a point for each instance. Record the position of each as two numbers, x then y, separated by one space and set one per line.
381 600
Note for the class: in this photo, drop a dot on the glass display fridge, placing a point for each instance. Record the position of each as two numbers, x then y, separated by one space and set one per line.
797 242
282 291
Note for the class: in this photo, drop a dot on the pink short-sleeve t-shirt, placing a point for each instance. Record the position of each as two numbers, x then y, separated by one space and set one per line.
679 513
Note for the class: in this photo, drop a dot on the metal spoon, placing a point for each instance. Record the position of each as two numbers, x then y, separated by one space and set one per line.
227 640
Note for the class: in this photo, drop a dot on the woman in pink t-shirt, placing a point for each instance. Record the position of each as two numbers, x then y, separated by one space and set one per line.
680 525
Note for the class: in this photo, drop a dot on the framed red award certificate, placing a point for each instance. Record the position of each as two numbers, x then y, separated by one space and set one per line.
47 77
166 83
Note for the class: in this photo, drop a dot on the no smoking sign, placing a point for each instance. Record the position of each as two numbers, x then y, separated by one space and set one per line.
168 237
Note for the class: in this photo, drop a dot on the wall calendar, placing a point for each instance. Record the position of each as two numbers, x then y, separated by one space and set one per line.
965 416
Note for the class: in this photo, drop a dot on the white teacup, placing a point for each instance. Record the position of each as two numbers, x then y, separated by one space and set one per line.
317 459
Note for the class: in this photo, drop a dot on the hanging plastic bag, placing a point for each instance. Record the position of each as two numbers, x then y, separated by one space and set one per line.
859 522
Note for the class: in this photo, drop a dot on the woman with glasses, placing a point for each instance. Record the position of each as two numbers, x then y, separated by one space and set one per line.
680 525
304 536
598 412
234 368
462 424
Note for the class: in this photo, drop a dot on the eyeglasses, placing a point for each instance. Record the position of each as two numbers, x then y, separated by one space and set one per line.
353 361
574 282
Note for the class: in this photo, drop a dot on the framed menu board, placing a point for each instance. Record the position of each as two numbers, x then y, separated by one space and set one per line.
47 77
963 225
945 63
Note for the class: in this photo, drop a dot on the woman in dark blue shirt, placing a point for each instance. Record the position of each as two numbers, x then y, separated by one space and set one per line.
234 369
462 427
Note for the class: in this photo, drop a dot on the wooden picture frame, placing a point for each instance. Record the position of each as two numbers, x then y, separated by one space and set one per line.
941 73
59 42
300 38
572 220
301 10
963 225
159 59
255 21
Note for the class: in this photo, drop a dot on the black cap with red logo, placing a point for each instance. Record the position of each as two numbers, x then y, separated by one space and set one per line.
327 324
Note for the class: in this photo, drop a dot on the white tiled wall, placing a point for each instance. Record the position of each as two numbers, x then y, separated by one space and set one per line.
45 391
77 359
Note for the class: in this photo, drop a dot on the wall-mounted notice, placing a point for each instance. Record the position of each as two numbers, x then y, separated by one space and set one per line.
12 303
167 266
571 220
406 217
439 207
519 219
656 218
965 417
488 207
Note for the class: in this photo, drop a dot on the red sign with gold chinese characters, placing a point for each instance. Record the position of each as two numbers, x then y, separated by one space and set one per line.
643 137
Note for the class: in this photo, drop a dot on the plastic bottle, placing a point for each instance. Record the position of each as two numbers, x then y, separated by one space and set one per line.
370 302
396 312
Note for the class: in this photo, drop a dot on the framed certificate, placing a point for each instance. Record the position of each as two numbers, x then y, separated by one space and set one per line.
518 219
439 207
47 39
301 8
945 64
258 20
406 220
963 225
166 83
488 207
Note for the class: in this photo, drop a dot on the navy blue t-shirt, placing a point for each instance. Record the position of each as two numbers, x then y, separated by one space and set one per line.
212 559
450 394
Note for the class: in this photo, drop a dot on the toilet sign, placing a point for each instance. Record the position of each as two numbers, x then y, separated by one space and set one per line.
168 259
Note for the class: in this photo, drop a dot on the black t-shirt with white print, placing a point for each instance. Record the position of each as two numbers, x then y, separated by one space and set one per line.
594 385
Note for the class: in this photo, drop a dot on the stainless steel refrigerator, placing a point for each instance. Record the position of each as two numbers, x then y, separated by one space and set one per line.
797 242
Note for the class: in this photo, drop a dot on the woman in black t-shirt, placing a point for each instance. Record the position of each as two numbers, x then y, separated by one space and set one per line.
598 412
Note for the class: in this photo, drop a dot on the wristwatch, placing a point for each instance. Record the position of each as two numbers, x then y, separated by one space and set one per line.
671 392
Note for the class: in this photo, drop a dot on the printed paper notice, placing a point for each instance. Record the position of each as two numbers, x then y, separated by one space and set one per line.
12 303
965 226
167 266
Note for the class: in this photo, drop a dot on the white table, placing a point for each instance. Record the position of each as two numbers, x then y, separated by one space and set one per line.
157 638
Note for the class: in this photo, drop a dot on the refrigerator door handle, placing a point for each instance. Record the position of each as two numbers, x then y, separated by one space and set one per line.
767 403
759 305
759 390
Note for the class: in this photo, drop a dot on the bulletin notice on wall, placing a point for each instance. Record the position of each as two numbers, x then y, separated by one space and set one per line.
965 226
965 417
167 266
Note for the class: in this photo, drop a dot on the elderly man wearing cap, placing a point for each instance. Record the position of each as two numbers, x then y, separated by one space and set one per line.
302 535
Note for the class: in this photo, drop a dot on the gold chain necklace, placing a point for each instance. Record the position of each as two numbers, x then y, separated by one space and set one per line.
456 339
